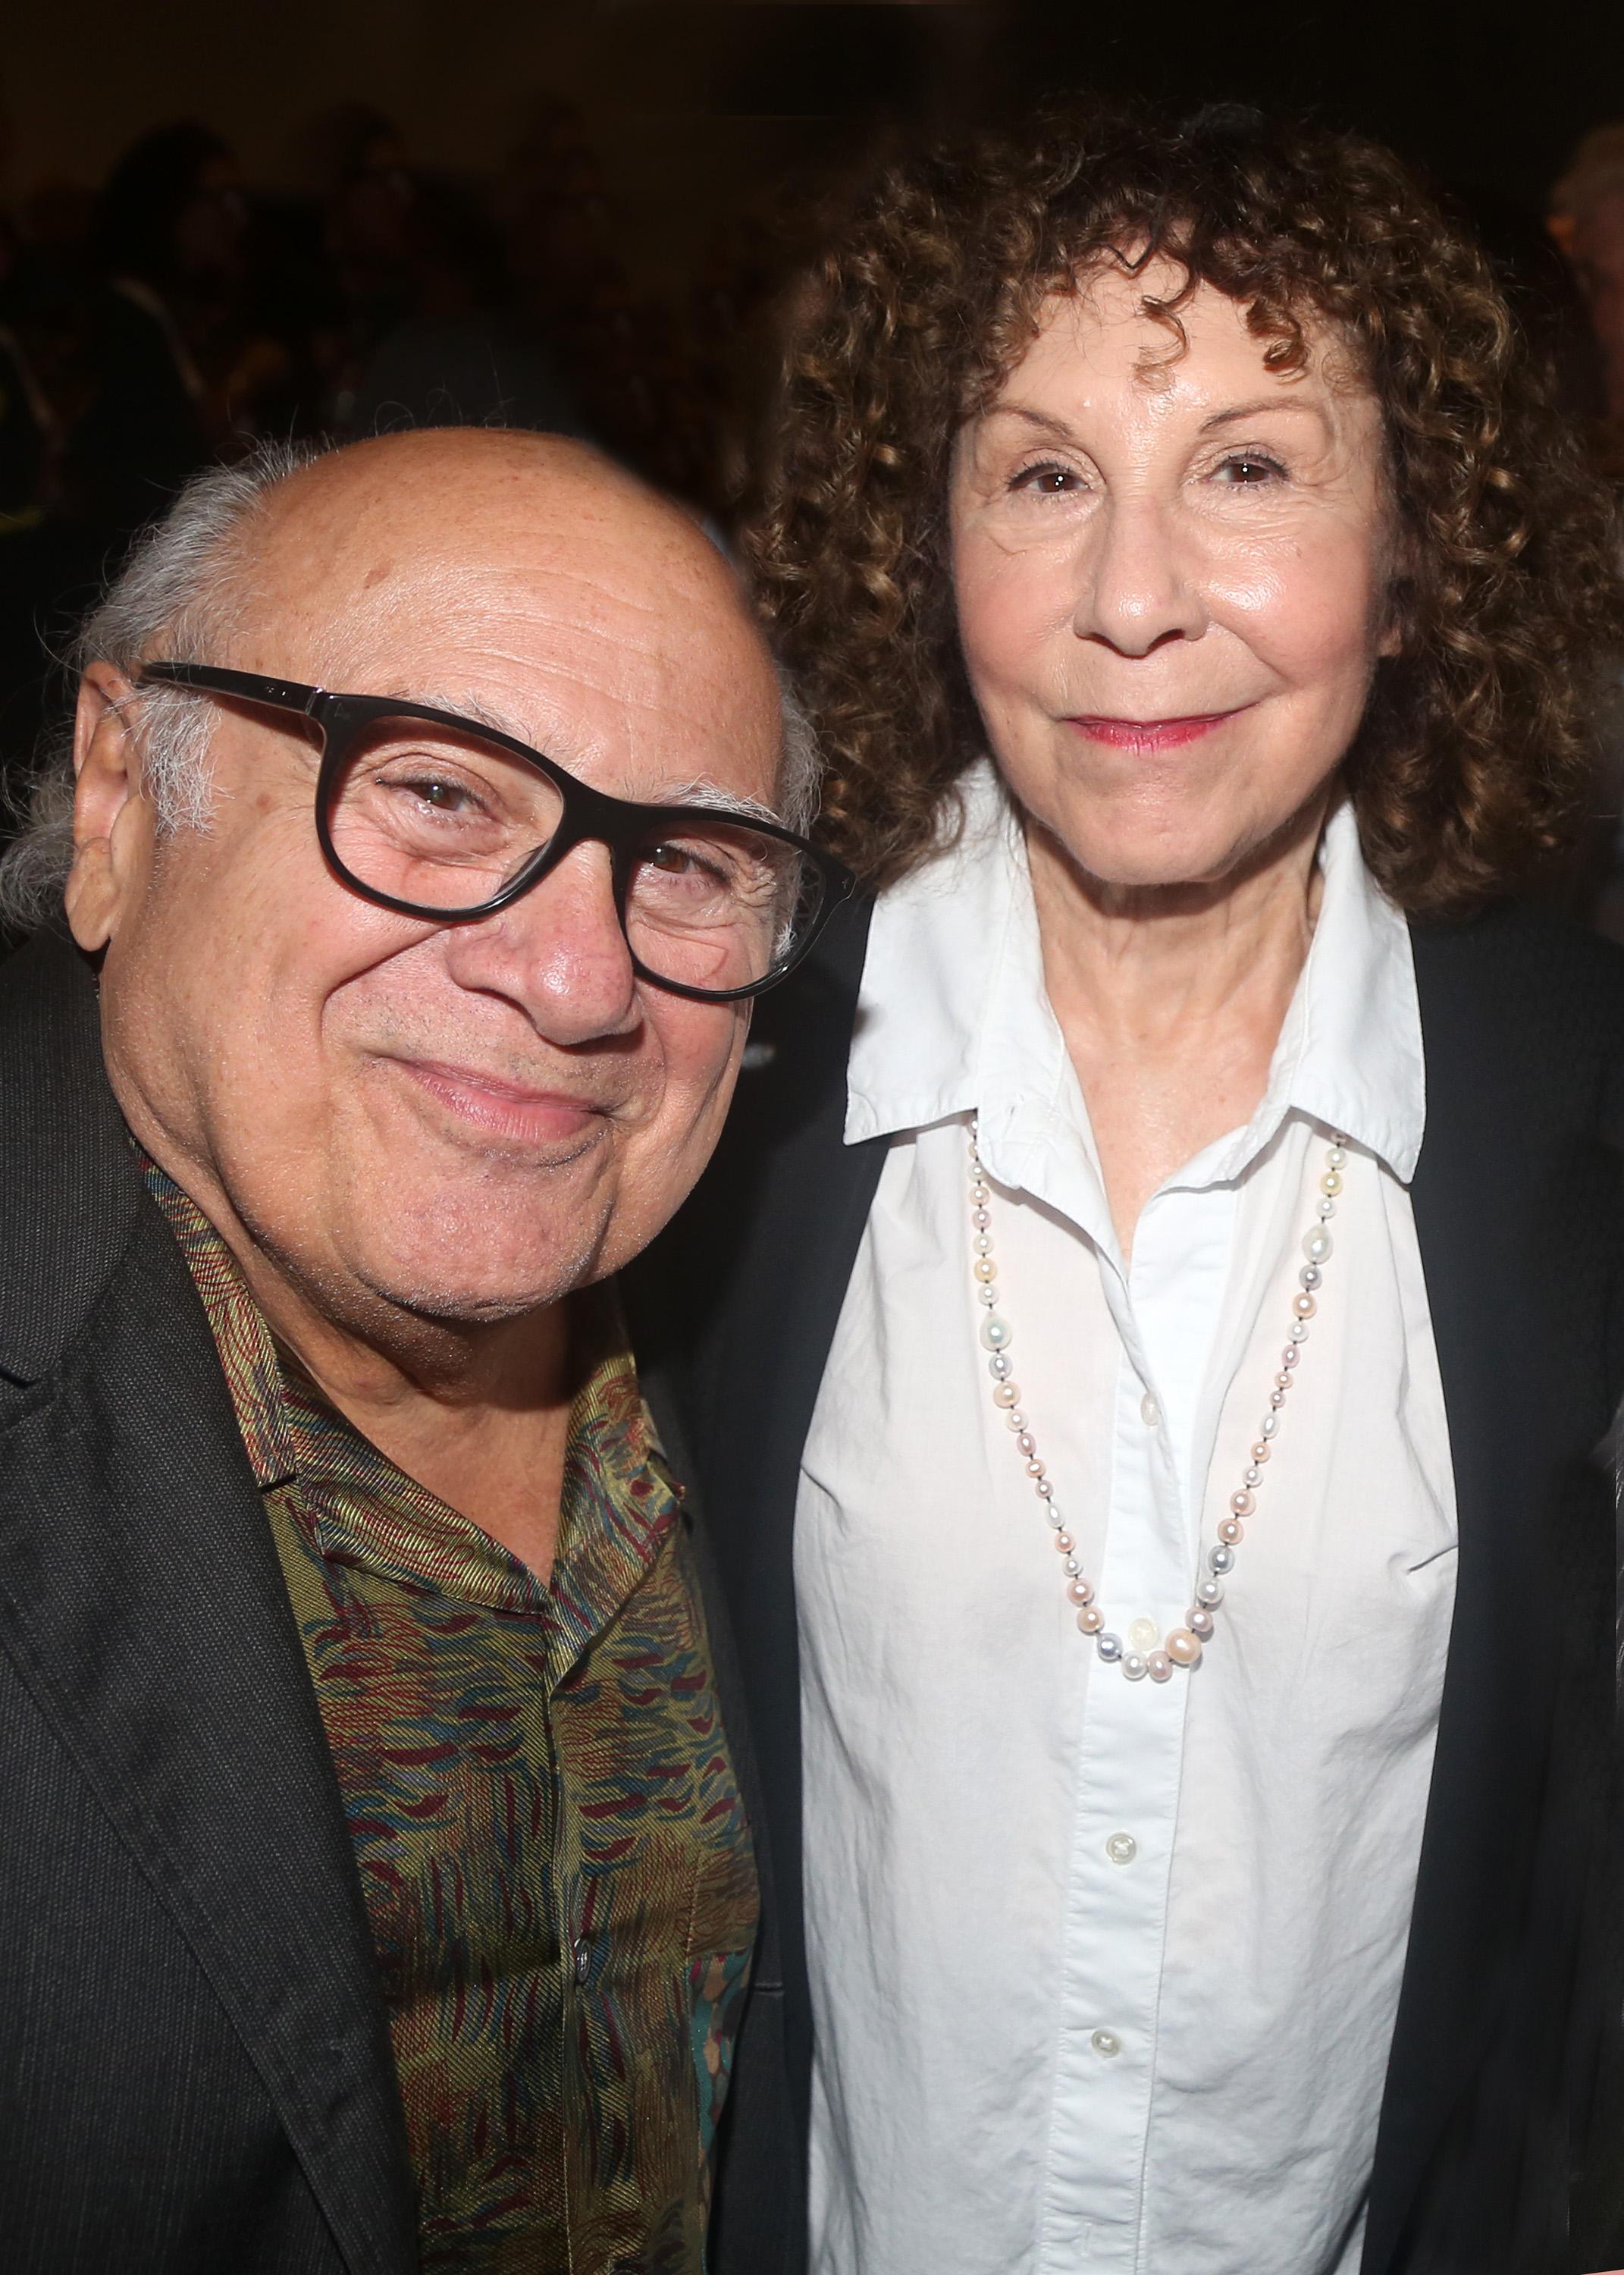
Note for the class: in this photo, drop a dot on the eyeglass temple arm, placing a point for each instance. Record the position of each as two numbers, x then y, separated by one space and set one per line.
251 686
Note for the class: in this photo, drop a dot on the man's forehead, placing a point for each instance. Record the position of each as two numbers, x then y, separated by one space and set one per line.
629 624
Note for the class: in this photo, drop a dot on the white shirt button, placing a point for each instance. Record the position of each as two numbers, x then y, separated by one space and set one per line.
1121 1848
1150 1413
1106 2045
1143 1635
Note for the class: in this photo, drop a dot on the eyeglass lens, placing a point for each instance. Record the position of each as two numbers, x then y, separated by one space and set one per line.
433 817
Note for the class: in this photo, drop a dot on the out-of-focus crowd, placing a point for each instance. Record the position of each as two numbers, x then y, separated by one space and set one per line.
179 315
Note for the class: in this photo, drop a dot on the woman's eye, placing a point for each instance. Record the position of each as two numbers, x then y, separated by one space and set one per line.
1046 480
1248 469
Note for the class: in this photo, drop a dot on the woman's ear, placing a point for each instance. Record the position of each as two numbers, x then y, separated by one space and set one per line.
112 821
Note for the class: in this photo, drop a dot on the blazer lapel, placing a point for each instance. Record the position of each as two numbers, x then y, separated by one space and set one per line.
142 1603
1483 1208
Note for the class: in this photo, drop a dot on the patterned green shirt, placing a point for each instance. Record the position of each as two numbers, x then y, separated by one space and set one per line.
550 1838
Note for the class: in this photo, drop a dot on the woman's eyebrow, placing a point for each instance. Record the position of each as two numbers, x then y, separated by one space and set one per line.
1264 402
1043 420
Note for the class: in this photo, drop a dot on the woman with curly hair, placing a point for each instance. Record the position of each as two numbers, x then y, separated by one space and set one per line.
1163 1292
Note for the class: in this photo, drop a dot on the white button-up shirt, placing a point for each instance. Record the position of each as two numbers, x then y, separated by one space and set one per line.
1104 1972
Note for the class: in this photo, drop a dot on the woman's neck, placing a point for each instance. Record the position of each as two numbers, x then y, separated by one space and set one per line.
1171 999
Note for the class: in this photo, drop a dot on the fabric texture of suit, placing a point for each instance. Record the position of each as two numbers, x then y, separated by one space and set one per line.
195 2070
1501 2143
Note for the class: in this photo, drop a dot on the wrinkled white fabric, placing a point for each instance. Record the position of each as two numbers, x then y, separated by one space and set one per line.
967 1757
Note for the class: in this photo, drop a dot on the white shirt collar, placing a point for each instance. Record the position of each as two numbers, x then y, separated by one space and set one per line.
954 1017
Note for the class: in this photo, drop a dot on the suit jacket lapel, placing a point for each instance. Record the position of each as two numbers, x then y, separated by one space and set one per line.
142 1603
1478 1210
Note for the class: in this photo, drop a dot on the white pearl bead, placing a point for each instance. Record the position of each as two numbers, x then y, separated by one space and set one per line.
1183 1645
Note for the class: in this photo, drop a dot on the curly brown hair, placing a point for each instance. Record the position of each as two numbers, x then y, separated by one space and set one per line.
1475 747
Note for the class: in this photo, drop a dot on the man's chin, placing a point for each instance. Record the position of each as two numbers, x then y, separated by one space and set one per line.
465 1298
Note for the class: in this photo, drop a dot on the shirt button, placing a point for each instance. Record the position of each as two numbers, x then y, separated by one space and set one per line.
1106 2045
1143 1635
1150 1413
581 1953
1121 1848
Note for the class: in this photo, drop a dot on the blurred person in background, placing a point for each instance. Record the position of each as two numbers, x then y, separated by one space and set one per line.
166 251
1155 1320
461 354
1587 220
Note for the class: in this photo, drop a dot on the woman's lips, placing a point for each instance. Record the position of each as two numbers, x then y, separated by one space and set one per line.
1151 734
536 1117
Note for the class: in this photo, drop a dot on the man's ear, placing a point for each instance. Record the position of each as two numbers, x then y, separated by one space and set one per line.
112 821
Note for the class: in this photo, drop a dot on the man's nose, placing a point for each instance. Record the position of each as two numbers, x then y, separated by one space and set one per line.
559 954
1136 586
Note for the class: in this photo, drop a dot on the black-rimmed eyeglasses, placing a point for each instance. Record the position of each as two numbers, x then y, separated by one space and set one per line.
444 819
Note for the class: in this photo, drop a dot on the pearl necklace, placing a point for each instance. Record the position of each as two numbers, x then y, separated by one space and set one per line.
1180 1646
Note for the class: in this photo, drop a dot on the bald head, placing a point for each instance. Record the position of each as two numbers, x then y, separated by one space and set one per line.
466 520
533 557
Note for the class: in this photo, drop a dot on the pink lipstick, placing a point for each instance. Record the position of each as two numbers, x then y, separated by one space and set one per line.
1150 734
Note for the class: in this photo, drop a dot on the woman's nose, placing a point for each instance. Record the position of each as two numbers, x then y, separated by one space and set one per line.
1136 586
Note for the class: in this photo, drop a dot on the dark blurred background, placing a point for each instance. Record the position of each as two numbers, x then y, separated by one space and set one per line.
223 223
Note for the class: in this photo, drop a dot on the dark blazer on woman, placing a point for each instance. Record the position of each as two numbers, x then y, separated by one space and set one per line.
1501 2149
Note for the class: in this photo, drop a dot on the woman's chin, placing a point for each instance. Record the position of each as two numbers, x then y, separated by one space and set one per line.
1153 860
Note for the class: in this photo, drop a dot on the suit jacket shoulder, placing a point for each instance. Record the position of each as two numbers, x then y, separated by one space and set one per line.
196 2067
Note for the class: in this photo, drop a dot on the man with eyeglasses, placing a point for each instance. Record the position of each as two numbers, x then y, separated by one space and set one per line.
376 1858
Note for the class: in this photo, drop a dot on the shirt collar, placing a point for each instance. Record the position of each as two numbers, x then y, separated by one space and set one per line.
618 1501
953 1016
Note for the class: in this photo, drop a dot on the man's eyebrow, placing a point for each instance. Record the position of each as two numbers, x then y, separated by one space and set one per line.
469 707
696 790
